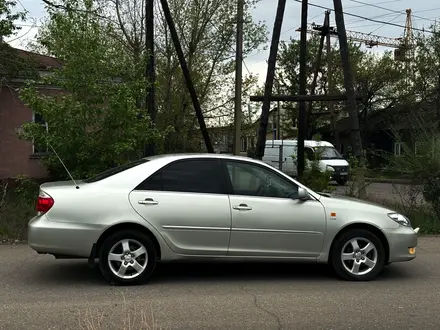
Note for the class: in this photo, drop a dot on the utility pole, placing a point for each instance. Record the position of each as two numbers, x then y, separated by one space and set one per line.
150 72
278 113
324 32
302 125
356 142
330 85
186 75
238 78
262 130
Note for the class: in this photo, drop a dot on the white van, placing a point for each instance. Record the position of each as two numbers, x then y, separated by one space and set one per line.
331 159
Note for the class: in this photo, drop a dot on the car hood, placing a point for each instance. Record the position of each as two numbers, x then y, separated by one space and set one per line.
342 201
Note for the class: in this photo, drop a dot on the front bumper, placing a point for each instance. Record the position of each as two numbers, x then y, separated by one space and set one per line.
61 238
401 241
339 176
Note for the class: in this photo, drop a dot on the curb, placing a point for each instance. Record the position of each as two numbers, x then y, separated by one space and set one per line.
390 181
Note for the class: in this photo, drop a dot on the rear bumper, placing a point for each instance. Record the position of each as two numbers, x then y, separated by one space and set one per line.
61 238
400 241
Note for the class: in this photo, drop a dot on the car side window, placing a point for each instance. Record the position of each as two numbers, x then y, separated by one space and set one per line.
254 180
191 175
310 154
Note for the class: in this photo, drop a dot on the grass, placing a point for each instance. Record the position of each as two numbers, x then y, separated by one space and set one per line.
134 318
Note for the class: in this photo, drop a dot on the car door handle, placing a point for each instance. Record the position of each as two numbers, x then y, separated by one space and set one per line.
148 201
242 207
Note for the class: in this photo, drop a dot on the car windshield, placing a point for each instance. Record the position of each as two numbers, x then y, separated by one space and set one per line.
115 170
328 153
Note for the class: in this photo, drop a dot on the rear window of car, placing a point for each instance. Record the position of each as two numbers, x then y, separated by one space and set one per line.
115 170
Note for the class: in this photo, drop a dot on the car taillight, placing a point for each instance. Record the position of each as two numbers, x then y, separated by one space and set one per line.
44 203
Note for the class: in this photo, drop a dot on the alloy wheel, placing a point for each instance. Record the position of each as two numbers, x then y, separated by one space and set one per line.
359 256
128 259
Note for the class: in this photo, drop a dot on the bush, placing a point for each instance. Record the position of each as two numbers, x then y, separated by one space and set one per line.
421 165
17 207
313 177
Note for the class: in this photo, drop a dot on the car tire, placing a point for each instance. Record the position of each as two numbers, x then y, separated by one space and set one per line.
360 263
127 257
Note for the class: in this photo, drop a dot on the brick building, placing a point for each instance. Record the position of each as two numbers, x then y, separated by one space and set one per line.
18 157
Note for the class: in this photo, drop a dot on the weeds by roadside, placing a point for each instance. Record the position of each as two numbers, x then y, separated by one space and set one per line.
133 318
420 215
17 207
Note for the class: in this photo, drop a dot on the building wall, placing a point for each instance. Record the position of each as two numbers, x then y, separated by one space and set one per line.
16 155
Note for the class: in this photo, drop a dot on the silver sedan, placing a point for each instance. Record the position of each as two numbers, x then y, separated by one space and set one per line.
208 206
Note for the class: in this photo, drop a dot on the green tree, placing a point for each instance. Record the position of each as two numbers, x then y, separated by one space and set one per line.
8 18
10 64
206 30
377 78
96 123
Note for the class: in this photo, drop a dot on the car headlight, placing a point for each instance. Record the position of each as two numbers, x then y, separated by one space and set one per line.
330 168
401 219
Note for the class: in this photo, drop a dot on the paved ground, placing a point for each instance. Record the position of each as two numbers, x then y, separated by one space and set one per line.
38 292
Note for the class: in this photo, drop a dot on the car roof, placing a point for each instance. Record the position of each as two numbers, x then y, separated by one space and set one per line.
172 157
130 177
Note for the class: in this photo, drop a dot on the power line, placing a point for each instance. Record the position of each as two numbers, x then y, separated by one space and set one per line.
23 35
366 18
376 3
388 9
289 29
381 26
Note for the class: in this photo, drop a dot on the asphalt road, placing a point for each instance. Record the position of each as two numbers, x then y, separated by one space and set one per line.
38 292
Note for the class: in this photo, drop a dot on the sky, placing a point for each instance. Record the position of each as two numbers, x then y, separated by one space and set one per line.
393 11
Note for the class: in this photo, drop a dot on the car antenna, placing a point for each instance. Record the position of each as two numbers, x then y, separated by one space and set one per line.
70 175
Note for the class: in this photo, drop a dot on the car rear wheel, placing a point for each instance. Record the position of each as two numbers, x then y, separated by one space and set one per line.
127 257
358 254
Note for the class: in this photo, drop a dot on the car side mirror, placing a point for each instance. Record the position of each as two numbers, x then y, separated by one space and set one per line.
303 194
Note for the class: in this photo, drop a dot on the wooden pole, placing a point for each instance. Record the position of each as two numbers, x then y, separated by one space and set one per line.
356 142
238 78
330 87
302 89
150 72
186 75
315 75
262 131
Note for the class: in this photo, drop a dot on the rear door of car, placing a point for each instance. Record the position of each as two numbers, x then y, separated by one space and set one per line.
187 202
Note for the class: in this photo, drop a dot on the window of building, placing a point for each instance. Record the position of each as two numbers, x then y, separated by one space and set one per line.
243 144
41 147
397 148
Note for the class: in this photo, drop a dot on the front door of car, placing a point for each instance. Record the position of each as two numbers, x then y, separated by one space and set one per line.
268 219
187 202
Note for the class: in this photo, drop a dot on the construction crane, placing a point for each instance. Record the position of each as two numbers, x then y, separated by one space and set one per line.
403 46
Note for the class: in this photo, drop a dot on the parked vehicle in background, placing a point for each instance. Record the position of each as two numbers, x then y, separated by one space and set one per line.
212 207
329 158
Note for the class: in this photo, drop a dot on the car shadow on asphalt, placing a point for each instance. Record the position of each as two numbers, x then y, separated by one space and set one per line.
77 272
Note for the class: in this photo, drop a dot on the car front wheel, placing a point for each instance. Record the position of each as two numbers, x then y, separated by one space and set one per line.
127 257
358 254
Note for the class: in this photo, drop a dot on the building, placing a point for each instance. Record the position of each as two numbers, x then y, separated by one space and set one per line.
388 132
18 157
222 137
